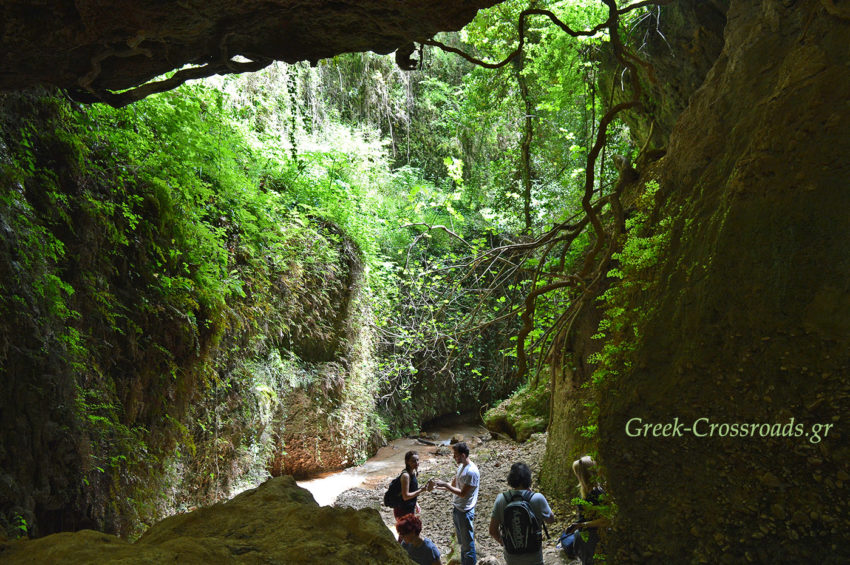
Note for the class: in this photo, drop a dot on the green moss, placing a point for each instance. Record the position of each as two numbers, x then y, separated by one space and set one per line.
523 414
137 284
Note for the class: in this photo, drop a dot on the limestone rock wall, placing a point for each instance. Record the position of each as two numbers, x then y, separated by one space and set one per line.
749 310
157 408
681 42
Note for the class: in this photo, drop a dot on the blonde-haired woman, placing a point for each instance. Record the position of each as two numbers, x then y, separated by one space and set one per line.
580 538
583 471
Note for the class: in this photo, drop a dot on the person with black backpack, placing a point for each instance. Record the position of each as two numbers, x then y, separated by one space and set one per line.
519 519
404 490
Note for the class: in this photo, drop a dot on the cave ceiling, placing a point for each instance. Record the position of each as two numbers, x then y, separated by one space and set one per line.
98 48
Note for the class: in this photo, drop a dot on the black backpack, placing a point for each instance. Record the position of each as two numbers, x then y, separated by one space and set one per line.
392 497
521 530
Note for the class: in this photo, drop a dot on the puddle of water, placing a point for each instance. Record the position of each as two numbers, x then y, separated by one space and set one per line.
386 463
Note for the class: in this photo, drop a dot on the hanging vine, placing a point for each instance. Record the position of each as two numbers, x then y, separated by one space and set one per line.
583 284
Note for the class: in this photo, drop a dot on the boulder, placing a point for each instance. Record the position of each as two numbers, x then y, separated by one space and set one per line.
279 522
521 415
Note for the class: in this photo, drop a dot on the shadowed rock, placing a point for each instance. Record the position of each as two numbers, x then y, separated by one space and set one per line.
279 522
97 48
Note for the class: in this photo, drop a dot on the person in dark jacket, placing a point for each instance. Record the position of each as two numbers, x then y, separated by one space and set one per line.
581 537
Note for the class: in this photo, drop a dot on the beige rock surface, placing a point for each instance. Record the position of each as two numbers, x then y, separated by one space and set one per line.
277 523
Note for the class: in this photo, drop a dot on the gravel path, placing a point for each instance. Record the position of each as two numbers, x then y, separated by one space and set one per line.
494 458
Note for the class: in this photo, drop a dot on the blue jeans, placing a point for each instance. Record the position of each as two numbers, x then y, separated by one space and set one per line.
465 535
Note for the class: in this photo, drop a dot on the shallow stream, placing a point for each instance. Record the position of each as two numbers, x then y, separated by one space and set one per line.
388 461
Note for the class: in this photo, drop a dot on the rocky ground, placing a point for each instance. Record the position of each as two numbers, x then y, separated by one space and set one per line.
493 458
280 522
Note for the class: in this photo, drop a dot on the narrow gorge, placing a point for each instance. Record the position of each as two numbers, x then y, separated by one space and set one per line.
245 243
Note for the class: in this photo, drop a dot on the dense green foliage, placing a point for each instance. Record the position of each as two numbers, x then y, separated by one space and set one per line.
147 262
643 247
185 280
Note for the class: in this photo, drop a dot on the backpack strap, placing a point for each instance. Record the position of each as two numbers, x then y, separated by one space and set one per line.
508 500
526 495
510 497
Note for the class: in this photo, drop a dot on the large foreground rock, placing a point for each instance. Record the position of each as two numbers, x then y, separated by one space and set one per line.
279 522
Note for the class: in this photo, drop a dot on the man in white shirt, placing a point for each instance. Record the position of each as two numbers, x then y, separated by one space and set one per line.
464 487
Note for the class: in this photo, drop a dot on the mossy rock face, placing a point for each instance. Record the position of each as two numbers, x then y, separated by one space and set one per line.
523 414
279 522
737 326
